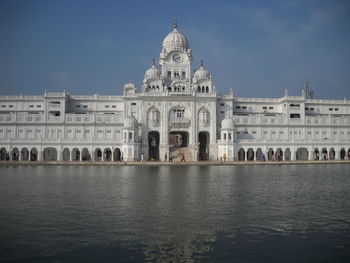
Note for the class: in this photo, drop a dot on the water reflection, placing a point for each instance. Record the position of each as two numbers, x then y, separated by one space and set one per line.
178 213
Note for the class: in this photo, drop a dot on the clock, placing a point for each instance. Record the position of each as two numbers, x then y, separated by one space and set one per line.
176 58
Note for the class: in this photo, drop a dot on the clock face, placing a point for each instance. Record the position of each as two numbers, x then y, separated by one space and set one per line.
176 58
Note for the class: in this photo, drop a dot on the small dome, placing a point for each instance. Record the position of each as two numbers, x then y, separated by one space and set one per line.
152 73
129 85
201 74
130 122
227 123
175 41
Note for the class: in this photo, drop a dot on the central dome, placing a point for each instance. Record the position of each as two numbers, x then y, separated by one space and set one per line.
175 41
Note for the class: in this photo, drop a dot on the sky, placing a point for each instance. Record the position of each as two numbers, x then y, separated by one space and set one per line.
258 48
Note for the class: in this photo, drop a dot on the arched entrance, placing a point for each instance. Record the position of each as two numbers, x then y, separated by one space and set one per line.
301 154
75 154
316 154
153 145
270 155
85 155
279 154
107 154
203 139
250 154
15 154
33 154
342 154
241 154
66 155
50 154
98 155
324 154
3 154
259 156
287 154
116 154
24 154
331 154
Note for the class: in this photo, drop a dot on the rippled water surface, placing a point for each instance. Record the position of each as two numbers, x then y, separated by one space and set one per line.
253 213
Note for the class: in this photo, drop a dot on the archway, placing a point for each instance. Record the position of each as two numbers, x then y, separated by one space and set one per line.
3 154
301 154
324 154
75 154
259 155
203 139
287 154
331 154
116 154
316 154
241 155
342 154
24 154
33 154
85 155
98 155
279 154
153 146
250 154
270 155
178 139
107 154
66 155
50 154
15 154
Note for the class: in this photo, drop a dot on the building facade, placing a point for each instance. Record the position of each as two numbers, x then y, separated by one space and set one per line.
176 115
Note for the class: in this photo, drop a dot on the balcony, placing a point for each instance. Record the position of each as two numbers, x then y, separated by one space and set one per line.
180 123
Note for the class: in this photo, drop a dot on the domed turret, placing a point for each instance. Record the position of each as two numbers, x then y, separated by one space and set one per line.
175 41
152 73
227 123
130 122
201 74
129 89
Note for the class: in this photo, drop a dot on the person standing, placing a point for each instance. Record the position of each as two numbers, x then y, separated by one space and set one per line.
165 157
225 157
142 157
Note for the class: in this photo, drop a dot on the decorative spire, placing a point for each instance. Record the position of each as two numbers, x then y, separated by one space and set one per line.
202 63
175 23
153 62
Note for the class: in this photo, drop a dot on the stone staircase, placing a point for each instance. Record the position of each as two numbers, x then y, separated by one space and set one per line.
176 152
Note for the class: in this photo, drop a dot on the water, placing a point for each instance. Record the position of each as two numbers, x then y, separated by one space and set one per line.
253 213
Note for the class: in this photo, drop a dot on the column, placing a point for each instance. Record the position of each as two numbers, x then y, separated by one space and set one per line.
59 155
292 155
310 154
71 155
80 155
40 155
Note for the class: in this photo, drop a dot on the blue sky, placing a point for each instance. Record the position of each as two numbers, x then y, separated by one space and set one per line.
259 48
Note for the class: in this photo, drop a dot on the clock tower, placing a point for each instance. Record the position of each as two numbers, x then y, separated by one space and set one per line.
175 60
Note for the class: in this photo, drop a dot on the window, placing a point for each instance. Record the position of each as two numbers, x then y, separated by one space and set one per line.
264 108
330 109
130 135
176 74
295 116
222 104
306 108
133 103
169 74
10 106
312 108
295 105
238 107
253 132
238 132
85 106
38 106
179 113
244 107
224 136
3 106
77 106
31 106
245 132
222 112
270 108
336 109
113 106
183 74
106 106
229 136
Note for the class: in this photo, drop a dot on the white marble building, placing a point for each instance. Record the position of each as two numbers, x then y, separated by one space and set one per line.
174 114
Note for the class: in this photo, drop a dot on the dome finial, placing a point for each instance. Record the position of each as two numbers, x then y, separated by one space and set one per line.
175 23
201 62
153 62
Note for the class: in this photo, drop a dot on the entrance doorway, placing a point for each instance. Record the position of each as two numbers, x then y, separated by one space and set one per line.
153 145
178 139
203 139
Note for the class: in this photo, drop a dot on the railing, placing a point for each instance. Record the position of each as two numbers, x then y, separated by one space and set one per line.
180 123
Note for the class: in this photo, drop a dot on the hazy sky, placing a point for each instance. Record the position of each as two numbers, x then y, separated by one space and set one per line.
259 48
